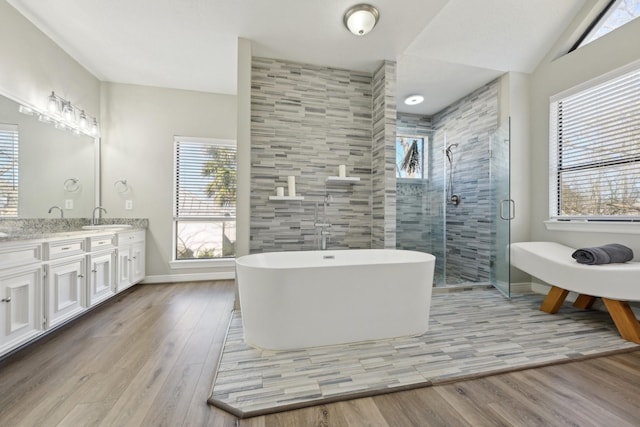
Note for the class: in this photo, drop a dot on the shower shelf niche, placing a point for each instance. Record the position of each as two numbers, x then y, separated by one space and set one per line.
342 179
286 198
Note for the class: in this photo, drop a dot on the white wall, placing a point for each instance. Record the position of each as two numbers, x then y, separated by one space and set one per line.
515 98
608 53
137 145
32 65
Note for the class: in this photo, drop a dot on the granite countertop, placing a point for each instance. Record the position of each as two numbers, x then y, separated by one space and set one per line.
34 229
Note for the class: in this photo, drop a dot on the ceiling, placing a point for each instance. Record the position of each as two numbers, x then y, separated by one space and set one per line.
444 48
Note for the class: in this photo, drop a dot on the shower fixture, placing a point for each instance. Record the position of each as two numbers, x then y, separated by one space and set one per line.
453 198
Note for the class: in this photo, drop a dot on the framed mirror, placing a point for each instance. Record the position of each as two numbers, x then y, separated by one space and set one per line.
42 166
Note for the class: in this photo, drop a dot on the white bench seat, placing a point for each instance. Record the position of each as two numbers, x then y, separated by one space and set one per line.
616 283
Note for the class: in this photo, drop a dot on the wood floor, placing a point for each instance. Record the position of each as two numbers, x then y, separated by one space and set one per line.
147 359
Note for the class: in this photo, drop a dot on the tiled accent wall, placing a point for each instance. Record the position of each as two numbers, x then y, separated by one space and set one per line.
305 121
413 220
468 123
383 233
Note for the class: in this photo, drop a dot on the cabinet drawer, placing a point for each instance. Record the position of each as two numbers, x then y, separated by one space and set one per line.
96 243
131 237
16 254
64 248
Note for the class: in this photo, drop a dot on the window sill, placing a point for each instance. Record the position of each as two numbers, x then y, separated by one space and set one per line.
226 263
593 226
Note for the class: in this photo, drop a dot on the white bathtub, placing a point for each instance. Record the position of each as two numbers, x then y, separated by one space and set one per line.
304 299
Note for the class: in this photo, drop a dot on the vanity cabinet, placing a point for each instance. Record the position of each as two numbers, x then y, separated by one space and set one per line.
47 282
101 277
131 258
64 280
19 313
20 290
64 290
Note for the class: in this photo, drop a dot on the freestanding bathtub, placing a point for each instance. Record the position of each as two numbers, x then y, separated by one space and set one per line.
293 300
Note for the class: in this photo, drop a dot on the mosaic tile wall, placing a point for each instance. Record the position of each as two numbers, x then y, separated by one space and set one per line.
306 120
383 233
469 123
413 220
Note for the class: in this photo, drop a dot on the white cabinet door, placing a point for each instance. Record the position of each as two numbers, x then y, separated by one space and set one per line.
64 290
101 278
137 262
19 314
124 268
131 258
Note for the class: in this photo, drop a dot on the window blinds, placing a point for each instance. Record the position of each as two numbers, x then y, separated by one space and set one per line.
9 148
205 180
595 150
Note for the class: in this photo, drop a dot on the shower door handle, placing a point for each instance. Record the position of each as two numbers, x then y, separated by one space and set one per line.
512 209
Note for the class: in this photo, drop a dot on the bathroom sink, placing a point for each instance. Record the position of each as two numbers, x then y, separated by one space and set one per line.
105 226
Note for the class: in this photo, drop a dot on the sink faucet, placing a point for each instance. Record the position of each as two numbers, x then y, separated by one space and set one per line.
94 220
59 208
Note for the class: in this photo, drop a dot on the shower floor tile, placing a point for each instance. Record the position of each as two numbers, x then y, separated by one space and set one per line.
470 334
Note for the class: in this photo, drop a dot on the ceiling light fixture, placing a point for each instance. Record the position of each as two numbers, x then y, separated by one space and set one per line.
414 99
361 18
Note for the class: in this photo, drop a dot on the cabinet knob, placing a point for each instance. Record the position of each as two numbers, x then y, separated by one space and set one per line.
80 275
6 299
94 271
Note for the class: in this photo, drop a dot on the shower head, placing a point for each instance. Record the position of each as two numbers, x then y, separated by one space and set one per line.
449 153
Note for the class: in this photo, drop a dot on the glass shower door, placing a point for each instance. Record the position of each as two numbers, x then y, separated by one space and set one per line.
504 207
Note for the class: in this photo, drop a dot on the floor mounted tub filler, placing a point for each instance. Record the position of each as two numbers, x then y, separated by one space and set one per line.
293 300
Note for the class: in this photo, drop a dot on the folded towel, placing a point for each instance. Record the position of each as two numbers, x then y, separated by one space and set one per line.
613 252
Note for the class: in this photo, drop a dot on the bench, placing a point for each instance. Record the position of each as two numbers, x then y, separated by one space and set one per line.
616 284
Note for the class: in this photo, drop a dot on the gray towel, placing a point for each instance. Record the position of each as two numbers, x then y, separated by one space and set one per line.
613 252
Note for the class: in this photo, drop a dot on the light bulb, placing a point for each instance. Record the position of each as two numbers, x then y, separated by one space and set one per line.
83 120
52 106
94 128
67 112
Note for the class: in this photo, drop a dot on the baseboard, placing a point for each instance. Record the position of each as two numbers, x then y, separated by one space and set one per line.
189 277
521 288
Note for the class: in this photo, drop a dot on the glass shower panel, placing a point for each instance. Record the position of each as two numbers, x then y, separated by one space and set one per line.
504 207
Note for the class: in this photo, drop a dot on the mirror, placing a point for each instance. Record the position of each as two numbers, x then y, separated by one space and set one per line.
55 168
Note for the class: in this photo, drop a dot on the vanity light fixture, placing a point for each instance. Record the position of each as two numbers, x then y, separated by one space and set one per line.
414 99
64 115
361 18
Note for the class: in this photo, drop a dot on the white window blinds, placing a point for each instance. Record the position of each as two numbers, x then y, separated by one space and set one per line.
205 179
595 150
9 148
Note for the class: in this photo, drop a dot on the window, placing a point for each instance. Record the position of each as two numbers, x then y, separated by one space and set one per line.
410 157
614 15
9 143
595 149
205 198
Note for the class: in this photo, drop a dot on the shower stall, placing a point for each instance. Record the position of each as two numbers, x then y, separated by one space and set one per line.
459 207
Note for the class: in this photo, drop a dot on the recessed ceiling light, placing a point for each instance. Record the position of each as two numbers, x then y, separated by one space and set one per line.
414 99
361 18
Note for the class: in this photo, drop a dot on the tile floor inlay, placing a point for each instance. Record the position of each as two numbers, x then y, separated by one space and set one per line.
470 333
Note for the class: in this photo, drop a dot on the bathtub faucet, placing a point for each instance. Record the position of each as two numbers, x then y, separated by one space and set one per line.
324 225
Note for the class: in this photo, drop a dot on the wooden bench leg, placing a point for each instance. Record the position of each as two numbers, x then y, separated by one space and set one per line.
584 301
626 322
554 300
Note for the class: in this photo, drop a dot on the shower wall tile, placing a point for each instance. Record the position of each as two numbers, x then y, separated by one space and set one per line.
383 233
305 121
469 232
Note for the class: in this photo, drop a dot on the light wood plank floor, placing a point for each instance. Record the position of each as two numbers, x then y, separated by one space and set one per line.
147 359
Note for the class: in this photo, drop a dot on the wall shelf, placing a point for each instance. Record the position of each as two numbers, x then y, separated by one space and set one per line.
342 179
286 198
